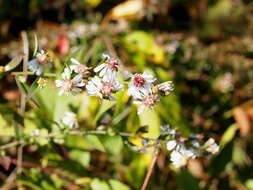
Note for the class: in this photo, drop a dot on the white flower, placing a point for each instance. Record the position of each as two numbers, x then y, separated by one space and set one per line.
165 129
211 146
178 160
140 84
38 64
173 46
108 69
102 89
181 155
165 87
149 100
70 120
69 85
171 144
36 68
79 68
35 133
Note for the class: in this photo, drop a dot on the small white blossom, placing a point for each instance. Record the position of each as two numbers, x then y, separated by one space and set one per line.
38 64
173 46
165 129
107 70
211 146
181 155
70 120
69 85
79 68
149 100
102 89
35 133
140 84
171 144
59 141
165 87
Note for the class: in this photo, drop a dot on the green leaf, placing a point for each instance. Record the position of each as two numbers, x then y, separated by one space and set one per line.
83 157
97 184
151 119
116 185
95 142
35 45
113 144
249 184
228 135
13 63
220 162
106 105
186 181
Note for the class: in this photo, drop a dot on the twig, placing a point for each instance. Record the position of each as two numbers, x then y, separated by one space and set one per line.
25 51
30 73
150 169
123 134
20 158
9 145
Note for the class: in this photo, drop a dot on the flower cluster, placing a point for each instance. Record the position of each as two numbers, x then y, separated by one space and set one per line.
182 149
39 63
143 89
72 78
106 82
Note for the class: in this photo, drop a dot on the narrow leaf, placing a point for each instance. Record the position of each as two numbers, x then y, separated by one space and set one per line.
13 63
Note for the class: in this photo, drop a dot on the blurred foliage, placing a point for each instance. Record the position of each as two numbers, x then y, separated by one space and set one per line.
204 46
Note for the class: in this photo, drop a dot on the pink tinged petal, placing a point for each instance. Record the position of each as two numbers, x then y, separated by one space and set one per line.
99 68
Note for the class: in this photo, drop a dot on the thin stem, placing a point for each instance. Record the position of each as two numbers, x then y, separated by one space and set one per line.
9 145
123 134
20 159
150 170
25 51
30 73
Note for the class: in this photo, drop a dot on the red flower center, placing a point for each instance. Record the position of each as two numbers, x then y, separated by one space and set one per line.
113 64
150 100
139 81
68 85
107 89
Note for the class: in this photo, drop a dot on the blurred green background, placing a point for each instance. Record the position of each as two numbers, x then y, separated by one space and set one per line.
204 46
